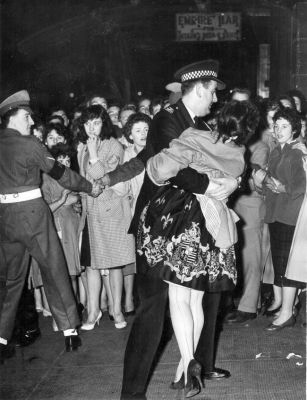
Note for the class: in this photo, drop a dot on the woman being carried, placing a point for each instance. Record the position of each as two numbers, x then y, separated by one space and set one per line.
173 231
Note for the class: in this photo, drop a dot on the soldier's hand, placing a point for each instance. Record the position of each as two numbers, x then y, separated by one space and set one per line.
105 180
97 189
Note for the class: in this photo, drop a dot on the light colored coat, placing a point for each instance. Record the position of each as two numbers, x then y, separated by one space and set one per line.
109 214
297 262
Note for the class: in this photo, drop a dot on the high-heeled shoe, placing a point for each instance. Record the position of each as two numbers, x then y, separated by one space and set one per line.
271 313
178 385
296 308
88 326
194 383
274 327
120 324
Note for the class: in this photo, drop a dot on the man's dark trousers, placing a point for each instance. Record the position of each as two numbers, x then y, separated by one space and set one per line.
28 228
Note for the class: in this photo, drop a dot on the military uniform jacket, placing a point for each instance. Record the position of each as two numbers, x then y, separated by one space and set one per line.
22 158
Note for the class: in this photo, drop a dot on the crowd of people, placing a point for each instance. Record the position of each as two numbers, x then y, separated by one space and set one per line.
119 210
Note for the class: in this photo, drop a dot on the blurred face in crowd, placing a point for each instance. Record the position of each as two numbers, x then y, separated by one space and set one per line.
65 160
113 112
38 133
62 114
283 131
22 122
139 133
93 127
270 121
124 115
77 114
156 109
100 101
54 138
286 103
240 96
144 106
303 128
298 104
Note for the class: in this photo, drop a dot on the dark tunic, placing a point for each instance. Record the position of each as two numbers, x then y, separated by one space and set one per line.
27 228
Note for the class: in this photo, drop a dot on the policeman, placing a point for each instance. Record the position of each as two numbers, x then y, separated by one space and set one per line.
26 225
199 82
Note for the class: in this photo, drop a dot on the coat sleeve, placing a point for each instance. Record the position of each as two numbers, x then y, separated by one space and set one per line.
169 162
296 183
126 171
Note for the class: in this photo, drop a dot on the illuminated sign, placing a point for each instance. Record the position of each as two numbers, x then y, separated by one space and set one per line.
216 27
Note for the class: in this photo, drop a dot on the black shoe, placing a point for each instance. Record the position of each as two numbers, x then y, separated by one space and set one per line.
72 342
28 337
129 313
217 373
273 327
194 383
6 351
239 317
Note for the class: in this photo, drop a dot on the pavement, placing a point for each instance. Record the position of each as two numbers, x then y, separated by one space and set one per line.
263 365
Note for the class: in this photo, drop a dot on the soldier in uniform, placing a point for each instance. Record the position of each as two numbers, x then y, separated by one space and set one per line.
26 225
199 83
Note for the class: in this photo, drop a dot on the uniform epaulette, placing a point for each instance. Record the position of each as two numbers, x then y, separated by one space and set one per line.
170 110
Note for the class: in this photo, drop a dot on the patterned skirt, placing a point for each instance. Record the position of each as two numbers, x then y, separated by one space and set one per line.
173 238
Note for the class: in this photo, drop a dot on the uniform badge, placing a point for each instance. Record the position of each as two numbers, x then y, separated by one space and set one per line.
170 110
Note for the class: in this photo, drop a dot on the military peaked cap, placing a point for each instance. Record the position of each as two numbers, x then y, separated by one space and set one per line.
20 99
206 69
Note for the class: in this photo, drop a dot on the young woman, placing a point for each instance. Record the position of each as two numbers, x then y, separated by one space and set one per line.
285 185
173 231
106 217
135 132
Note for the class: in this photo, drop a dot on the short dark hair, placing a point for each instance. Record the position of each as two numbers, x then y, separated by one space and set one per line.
293 117
237 118
297 93
265 106
93 112
133 119
128 107
288 98
62 149
51 118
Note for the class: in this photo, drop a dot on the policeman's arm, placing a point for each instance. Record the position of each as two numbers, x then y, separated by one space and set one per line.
188 179
124 172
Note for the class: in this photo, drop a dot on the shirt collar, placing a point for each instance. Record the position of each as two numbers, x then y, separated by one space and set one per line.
191 113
